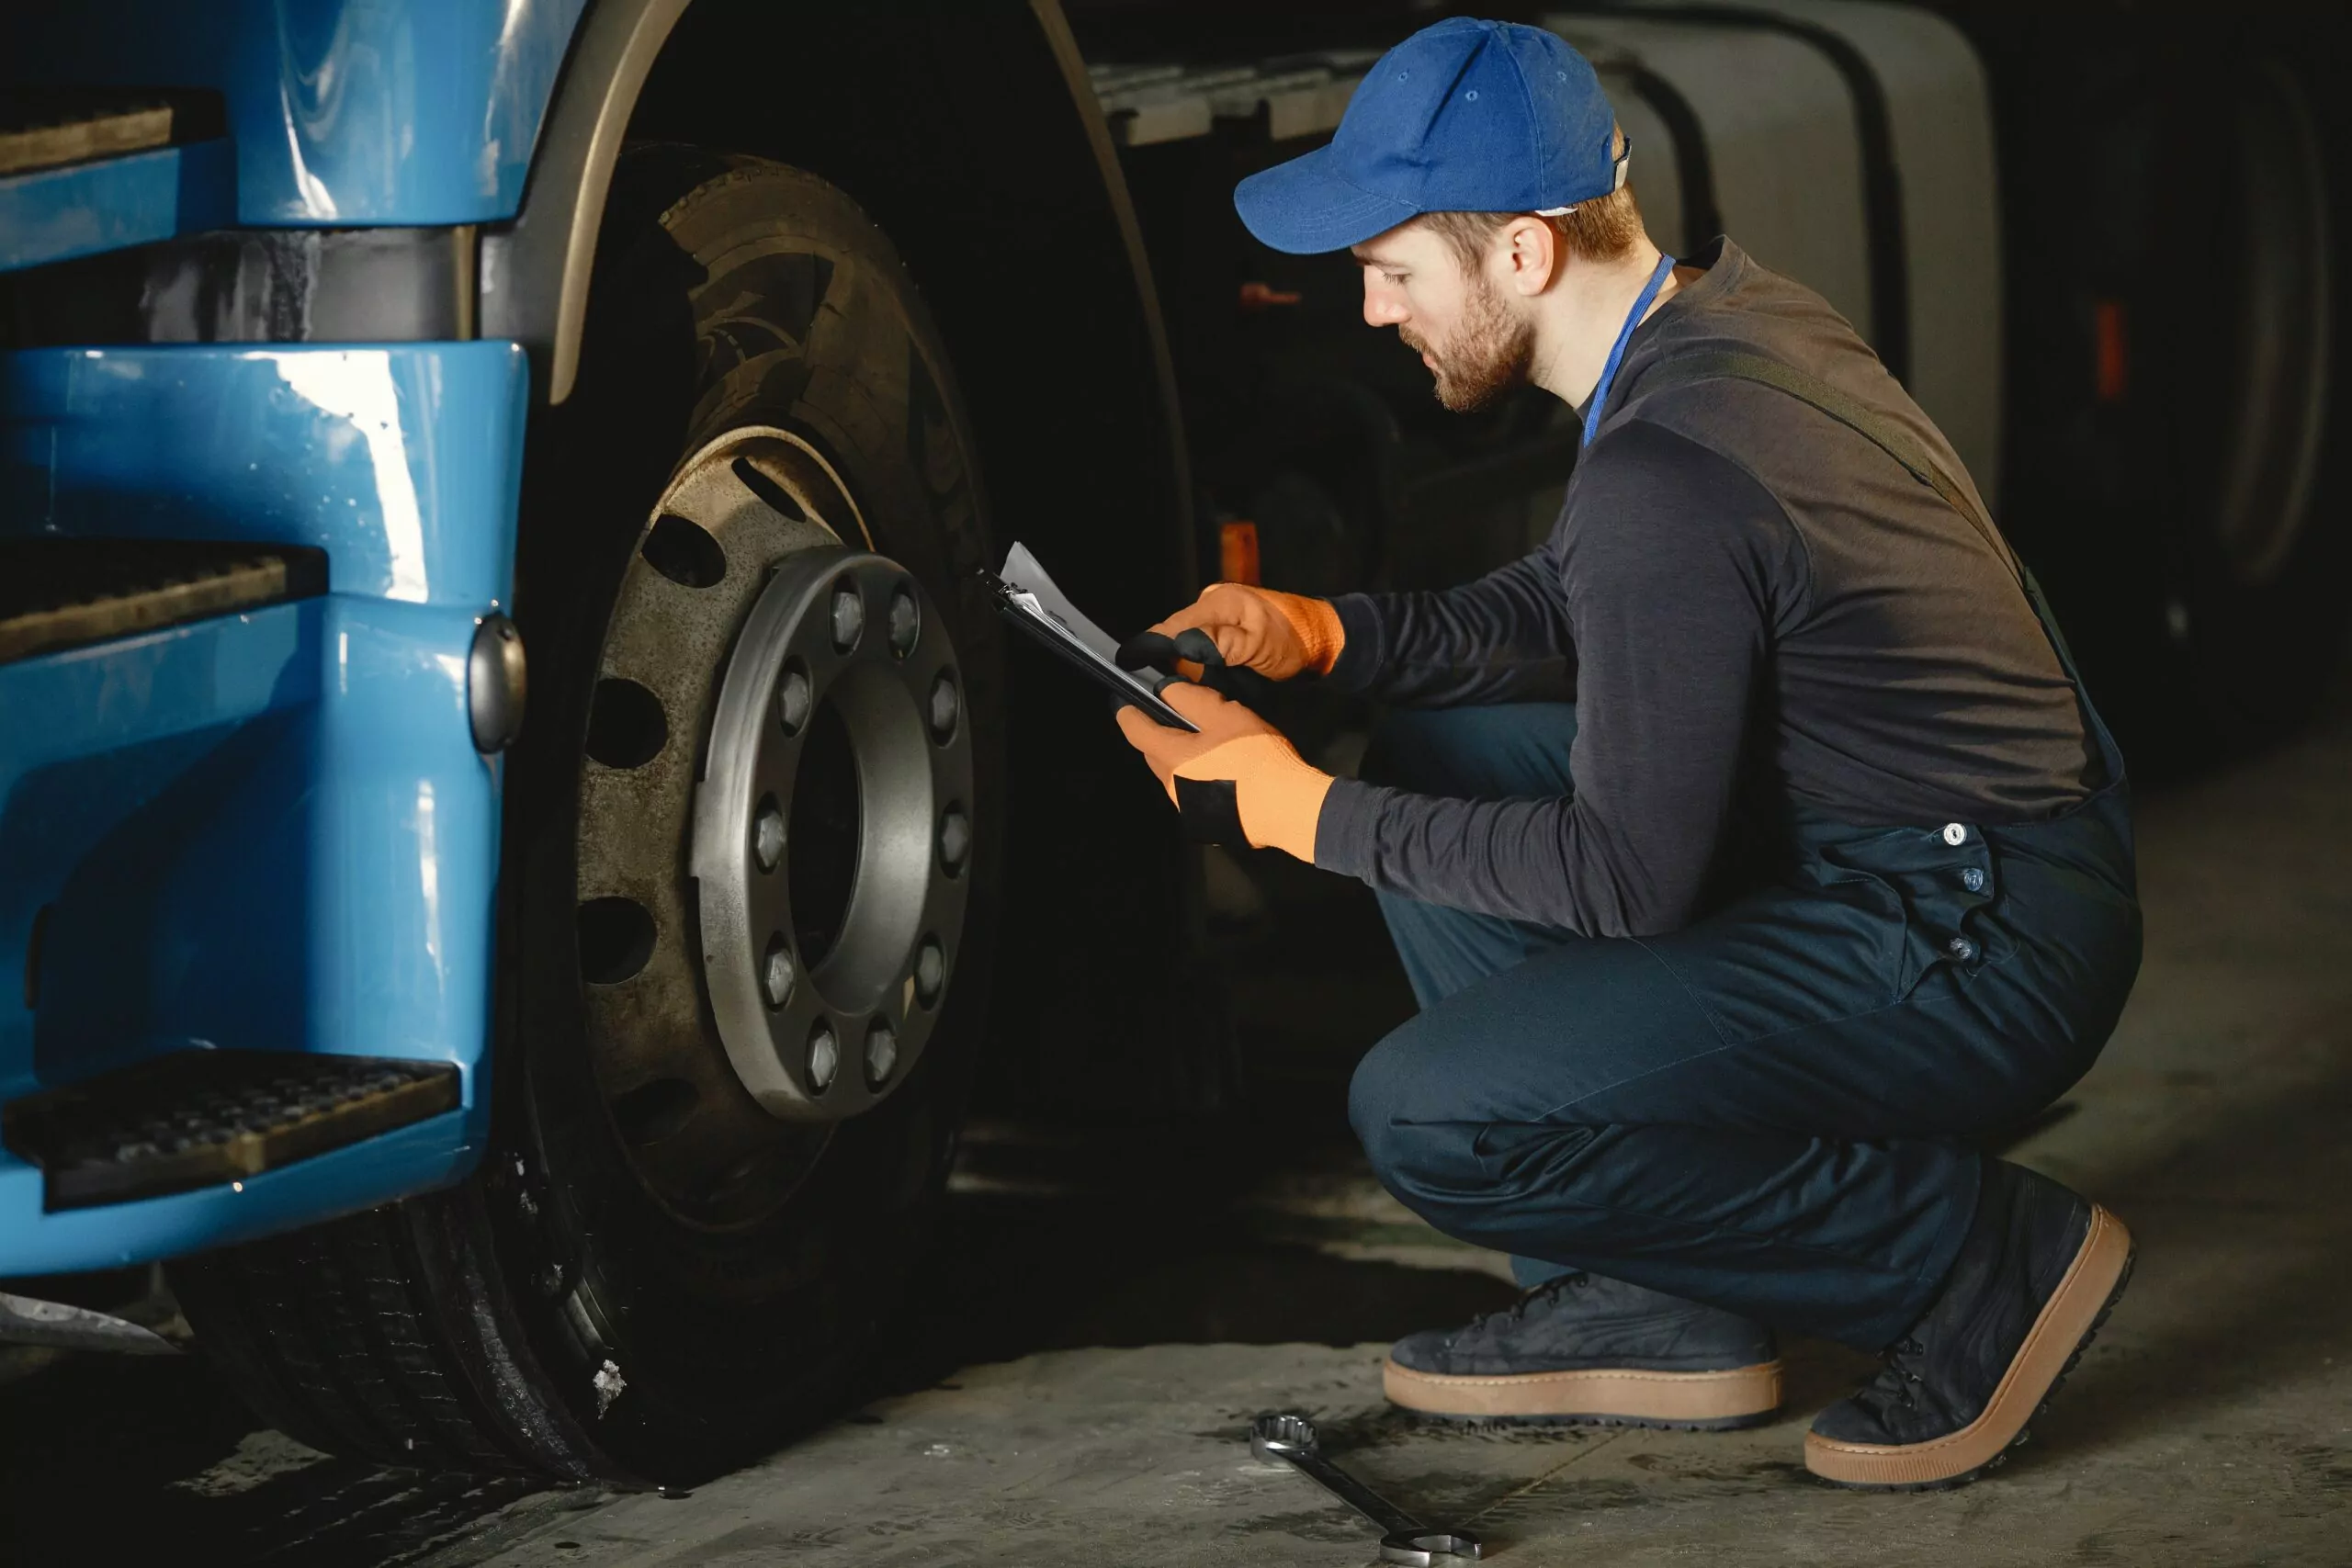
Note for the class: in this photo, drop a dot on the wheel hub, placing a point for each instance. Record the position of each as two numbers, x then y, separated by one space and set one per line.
774 820
826 752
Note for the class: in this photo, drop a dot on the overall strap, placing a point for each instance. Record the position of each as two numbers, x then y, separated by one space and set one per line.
1881 431
1905 448
1888 437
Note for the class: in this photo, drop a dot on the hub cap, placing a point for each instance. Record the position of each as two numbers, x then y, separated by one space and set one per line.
824 728
778 777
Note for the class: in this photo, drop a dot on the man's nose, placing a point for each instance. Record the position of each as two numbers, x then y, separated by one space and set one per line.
1382 307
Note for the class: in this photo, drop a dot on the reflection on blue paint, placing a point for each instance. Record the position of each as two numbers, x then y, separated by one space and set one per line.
343 111
380 455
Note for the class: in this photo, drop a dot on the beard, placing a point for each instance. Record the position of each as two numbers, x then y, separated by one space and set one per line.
1489 353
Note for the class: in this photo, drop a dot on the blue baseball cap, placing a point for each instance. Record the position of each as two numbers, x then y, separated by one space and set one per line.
1464 115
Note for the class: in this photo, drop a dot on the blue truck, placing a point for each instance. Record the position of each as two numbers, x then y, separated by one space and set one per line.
517 818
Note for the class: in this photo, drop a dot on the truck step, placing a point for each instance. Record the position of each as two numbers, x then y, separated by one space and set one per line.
200 1118
89 170
58 593
43 128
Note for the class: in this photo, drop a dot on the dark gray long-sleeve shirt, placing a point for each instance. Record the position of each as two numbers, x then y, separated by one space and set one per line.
1748 602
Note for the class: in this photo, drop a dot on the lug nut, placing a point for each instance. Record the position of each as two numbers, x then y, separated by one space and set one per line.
906 623
945 709
824 1056
931 970
767 834
793 696
777 972
849 618
955 837
881 1054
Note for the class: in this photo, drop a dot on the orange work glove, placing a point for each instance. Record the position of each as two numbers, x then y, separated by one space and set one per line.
1239 773
1277 635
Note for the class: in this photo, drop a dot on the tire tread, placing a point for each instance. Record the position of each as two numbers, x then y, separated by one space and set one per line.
332 1338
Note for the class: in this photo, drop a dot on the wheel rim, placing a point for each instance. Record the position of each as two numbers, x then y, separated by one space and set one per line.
713 868
2271 451
825 982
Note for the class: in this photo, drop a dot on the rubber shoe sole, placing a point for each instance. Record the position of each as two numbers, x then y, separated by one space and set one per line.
1602 1397
2069 1321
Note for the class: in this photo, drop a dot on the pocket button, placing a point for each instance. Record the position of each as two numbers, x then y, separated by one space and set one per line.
1972 879
1954 834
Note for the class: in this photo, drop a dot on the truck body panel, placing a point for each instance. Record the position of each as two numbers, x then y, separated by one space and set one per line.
342 112
266 831
54 215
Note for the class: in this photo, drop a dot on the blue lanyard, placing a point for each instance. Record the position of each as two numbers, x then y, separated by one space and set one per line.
1617 351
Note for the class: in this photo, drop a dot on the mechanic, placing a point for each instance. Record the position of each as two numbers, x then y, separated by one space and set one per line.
1752 848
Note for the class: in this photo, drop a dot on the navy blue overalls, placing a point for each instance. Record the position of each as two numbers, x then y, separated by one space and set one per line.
1773 1111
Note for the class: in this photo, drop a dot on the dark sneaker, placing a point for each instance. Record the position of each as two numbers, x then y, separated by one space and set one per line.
1584 1349
2039 1273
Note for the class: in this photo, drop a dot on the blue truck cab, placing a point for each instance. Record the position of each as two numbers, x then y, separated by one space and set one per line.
267 830
357 557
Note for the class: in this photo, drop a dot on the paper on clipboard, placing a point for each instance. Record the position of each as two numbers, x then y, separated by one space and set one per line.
1029 593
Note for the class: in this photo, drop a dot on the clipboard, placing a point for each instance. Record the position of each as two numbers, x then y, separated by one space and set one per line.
1027 596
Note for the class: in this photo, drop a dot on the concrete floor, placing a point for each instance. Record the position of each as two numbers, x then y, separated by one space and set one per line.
1115 1304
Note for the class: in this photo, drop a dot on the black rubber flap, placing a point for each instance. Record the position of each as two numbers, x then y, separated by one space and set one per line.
200 1118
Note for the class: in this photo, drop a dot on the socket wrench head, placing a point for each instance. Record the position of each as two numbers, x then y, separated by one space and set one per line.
1431 1549
1271 1437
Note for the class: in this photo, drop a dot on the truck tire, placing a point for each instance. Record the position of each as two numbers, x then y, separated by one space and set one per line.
2260 558
656 1270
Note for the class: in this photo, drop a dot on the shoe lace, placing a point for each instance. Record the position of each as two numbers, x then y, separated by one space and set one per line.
1898 1372
1547 1292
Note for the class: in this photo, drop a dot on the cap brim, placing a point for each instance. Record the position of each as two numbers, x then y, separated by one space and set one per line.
1304 207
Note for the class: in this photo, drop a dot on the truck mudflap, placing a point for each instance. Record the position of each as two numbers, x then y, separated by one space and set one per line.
246 836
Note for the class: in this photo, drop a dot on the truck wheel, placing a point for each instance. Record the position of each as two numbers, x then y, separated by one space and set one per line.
752 852
2180 477
2261 569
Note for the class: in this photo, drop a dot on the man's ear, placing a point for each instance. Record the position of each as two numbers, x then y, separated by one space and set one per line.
1532 250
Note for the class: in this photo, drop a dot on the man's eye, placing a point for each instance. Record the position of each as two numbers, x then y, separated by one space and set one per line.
1395 278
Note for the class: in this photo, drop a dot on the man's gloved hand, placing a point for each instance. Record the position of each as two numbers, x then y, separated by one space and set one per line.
1238 777
1278 634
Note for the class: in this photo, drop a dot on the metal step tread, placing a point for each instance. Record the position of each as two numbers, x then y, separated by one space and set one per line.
41 131
201 1118
58 593
45 127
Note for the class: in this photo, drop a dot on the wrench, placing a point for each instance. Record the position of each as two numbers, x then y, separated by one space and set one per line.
1291 1438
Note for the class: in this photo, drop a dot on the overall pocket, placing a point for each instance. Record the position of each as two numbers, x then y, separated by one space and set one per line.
1937 885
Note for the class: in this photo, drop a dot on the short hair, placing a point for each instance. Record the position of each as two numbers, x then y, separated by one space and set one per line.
1600 230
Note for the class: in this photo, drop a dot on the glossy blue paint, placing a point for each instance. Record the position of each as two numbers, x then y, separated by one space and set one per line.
399 1164
344 112
382 456
54 215
122 745
268 831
